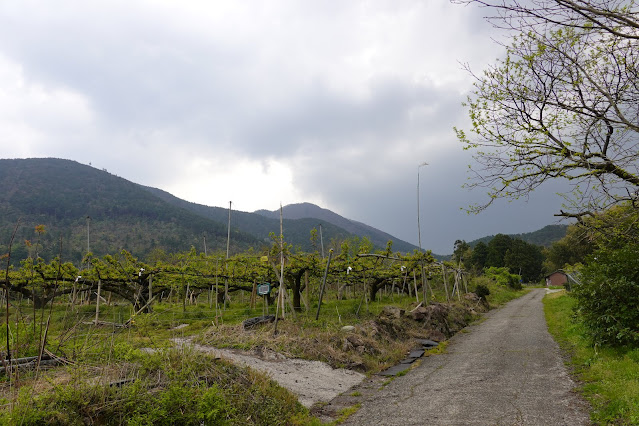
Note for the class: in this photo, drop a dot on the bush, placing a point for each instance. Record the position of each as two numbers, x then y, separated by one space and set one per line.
504 277
608 296
482 291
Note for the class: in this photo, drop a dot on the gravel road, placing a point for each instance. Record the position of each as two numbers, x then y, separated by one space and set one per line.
506 370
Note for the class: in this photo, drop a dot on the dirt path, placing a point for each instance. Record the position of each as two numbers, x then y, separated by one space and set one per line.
507 370
311 381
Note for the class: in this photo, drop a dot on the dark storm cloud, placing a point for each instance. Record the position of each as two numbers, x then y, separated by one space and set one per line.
322 120
333 102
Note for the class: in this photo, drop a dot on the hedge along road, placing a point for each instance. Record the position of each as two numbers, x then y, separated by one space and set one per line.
506 370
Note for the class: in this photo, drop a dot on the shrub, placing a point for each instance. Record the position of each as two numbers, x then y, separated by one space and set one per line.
482 291
608 296
504 277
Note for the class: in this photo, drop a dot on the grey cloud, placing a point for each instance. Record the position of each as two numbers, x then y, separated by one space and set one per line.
263 86
322 120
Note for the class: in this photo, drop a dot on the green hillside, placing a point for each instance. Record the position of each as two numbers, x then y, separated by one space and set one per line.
296 232
85 206
61 194
543 237
307 210
74 201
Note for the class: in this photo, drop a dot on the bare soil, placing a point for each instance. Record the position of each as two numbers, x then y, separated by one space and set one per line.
312 381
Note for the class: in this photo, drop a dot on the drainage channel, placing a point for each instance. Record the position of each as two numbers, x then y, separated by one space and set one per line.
414 354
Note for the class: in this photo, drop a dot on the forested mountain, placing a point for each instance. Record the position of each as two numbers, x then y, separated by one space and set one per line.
323 216
297 231
89 208
77 203
543 237
72 200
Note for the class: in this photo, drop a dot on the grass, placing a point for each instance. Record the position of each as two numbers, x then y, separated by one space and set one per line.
609 376
203 390
347 412
164 388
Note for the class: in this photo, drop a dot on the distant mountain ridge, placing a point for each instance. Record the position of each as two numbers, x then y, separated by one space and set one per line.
92 209
312 211
71 199
296 231
542 237
86 207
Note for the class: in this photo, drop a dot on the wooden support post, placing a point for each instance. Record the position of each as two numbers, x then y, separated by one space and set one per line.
150 287
97 302
445 282
307 287
424 285
319 303
253 294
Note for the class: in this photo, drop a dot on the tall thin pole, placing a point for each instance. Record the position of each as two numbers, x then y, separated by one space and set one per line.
88 234
88 239
319 303
321 240
97 302
280 293
282 289
419 228
228 244
6 282
419 231
228 237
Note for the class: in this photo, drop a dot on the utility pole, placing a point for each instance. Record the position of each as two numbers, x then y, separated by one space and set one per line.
419 230
321 240
228 237
228 244
88 240
88 234
280 293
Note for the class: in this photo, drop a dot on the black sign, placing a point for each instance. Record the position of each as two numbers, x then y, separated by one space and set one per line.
263 289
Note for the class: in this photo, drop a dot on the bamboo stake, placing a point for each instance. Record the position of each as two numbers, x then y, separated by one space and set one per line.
253 294
55 289
319 303
410 291
308 291
217 262
97 302
6 280
280 294
445 282
139 310
424 284
228 245
282 287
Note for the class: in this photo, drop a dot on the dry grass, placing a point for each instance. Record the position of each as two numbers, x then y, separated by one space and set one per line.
375 343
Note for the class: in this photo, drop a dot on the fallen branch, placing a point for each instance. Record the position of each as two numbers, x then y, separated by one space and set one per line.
106 323
417 307
30 362
139 310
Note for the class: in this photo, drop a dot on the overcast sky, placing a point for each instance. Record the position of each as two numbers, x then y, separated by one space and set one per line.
262 102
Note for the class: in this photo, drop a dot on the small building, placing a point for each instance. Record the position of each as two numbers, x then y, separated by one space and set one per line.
556 279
